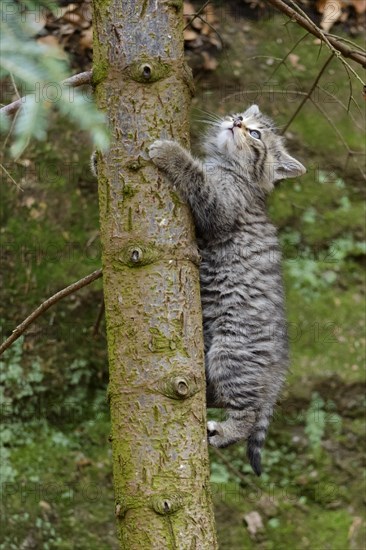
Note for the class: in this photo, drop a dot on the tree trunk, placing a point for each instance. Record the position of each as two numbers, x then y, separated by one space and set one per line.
151 284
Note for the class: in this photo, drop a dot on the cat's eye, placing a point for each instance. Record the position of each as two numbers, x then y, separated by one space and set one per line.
255 134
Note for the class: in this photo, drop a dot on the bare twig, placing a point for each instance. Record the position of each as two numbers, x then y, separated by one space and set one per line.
348 41
11 177
334 43
212 28
74 81
283 60
14 85
331 123
197 14
78 79
11 128
335 99
308 95
324 39
47 304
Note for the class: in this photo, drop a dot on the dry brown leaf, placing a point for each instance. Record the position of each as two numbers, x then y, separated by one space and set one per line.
66 29
53 42
189 35
320 5
294 60
268 505
62 11
46 506
209 15
254 523
72 18
332 11
29 201
206 29
83 461
86 40
49 40
214 40
197 23
209 62
359 6
188 9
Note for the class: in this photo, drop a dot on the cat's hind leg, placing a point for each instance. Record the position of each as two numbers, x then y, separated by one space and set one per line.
242 425
235 384
236 427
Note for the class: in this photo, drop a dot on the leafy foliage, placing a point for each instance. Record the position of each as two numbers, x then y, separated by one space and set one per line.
27 406
16 386
40 69
315 422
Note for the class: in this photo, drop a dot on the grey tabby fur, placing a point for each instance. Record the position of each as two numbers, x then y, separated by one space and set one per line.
242 295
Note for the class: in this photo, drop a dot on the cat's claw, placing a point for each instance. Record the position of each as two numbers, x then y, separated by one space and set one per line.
214 433
161 151
212 428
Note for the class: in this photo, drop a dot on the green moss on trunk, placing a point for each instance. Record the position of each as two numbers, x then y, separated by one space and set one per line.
151 285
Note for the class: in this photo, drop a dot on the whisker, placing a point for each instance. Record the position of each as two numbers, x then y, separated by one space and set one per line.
211 119
212 116
205 121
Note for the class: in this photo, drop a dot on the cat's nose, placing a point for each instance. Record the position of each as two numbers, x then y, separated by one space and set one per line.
237 123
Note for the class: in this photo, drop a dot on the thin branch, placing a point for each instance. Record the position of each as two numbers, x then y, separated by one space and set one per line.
11 128
14 85
325 39
78 79
335 99
197 14
334 43
308 95
350 98
348 41
74 81
283 60
11 177
331 123
47 304
212 28
249 92
200 15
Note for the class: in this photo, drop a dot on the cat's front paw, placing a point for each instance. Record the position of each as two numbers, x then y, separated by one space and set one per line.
162 152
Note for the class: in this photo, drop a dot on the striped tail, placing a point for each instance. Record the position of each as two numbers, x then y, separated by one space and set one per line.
256 442
254 453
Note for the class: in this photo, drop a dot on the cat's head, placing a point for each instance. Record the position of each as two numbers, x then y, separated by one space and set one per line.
251 141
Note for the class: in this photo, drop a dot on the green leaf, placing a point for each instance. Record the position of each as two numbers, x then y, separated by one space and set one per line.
39 70
31 121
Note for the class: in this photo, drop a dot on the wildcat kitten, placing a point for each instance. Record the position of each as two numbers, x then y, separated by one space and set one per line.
246 351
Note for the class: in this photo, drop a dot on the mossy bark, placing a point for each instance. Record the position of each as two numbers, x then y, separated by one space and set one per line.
151 284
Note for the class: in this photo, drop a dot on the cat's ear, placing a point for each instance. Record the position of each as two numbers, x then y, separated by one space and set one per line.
288 167
252 111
